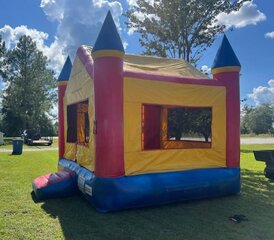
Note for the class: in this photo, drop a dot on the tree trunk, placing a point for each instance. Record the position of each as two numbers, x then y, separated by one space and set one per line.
178 135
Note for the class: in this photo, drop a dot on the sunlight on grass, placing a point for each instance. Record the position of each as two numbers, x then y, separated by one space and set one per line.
74 218
8 145
252 135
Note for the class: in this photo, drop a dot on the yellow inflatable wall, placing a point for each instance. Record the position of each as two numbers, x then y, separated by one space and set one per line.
138 92
79 90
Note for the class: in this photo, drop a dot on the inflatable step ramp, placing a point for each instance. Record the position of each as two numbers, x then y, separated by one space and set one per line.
54 185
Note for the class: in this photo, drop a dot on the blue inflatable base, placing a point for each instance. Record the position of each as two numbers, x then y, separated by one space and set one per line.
114 194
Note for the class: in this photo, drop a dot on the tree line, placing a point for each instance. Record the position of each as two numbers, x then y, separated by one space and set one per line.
254 120
257 120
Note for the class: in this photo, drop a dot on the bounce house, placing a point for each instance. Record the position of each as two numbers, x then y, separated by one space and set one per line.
128 128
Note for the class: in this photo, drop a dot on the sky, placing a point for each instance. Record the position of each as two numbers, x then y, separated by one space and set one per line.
59 27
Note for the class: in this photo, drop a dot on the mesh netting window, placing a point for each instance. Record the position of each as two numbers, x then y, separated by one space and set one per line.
169 127
72 123
78 123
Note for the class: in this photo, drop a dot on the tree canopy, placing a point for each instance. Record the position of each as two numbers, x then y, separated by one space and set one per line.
30 88
3 51
258 119
191 122
178 28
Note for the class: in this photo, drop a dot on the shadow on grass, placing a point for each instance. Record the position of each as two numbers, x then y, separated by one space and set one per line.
246 151
203 219
34 198
256 185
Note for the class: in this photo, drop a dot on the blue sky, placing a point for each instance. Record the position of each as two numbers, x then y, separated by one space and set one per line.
60 26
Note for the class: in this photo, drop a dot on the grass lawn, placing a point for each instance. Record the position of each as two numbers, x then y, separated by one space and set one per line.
74 218
8 145
252 135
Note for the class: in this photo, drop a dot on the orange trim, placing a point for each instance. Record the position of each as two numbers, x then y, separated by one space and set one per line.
142 127
179 144
171 144
107 53
62 83
226 69
184 144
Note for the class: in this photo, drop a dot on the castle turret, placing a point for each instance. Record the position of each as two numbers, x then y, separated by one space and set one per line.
226 68
108 55
62 85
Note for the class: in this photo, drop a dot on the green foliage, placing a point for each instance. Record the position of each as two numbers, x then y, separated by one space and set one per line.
178 28
190 122
8 146
257 120
1 123
46 127
3 51
245 112
30 91
2 63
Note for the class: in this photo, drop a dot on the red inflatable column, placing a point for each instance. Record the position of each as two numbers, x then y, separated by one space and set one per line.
231 80
226 68
108 55
62 85
109 137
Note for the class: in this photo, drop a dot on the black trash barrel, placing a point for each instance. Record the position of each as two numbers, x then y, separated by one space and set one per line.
17 146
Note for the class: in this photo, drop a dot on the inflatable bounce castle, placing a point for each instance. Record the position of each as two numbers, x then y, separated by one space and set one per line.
119 140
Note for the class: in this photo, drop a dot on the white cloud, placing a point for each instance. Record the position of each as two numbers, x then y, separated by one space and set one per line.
141 15
125 44
248 14
131 30
53 52
269 35
134 2
79 21
206 69
263 95
12 35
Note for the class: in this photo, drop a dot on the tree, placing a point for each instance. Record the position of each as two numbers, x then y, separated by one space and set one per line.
1 123
258 120
193 122
202 122
178 28
245 116
2 66
2 54
30 91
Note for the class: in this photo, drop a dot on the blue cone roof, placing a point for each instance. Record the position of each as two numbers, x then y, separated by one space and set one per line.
225 56
65 73
108 38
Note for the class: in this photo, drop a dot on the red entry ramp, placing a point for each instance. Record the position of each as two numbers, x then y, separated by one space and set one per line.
60 184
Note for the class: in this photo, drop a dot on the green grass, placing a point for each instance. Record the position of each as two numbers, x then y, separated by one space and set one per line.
74 218
8 144
253 135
